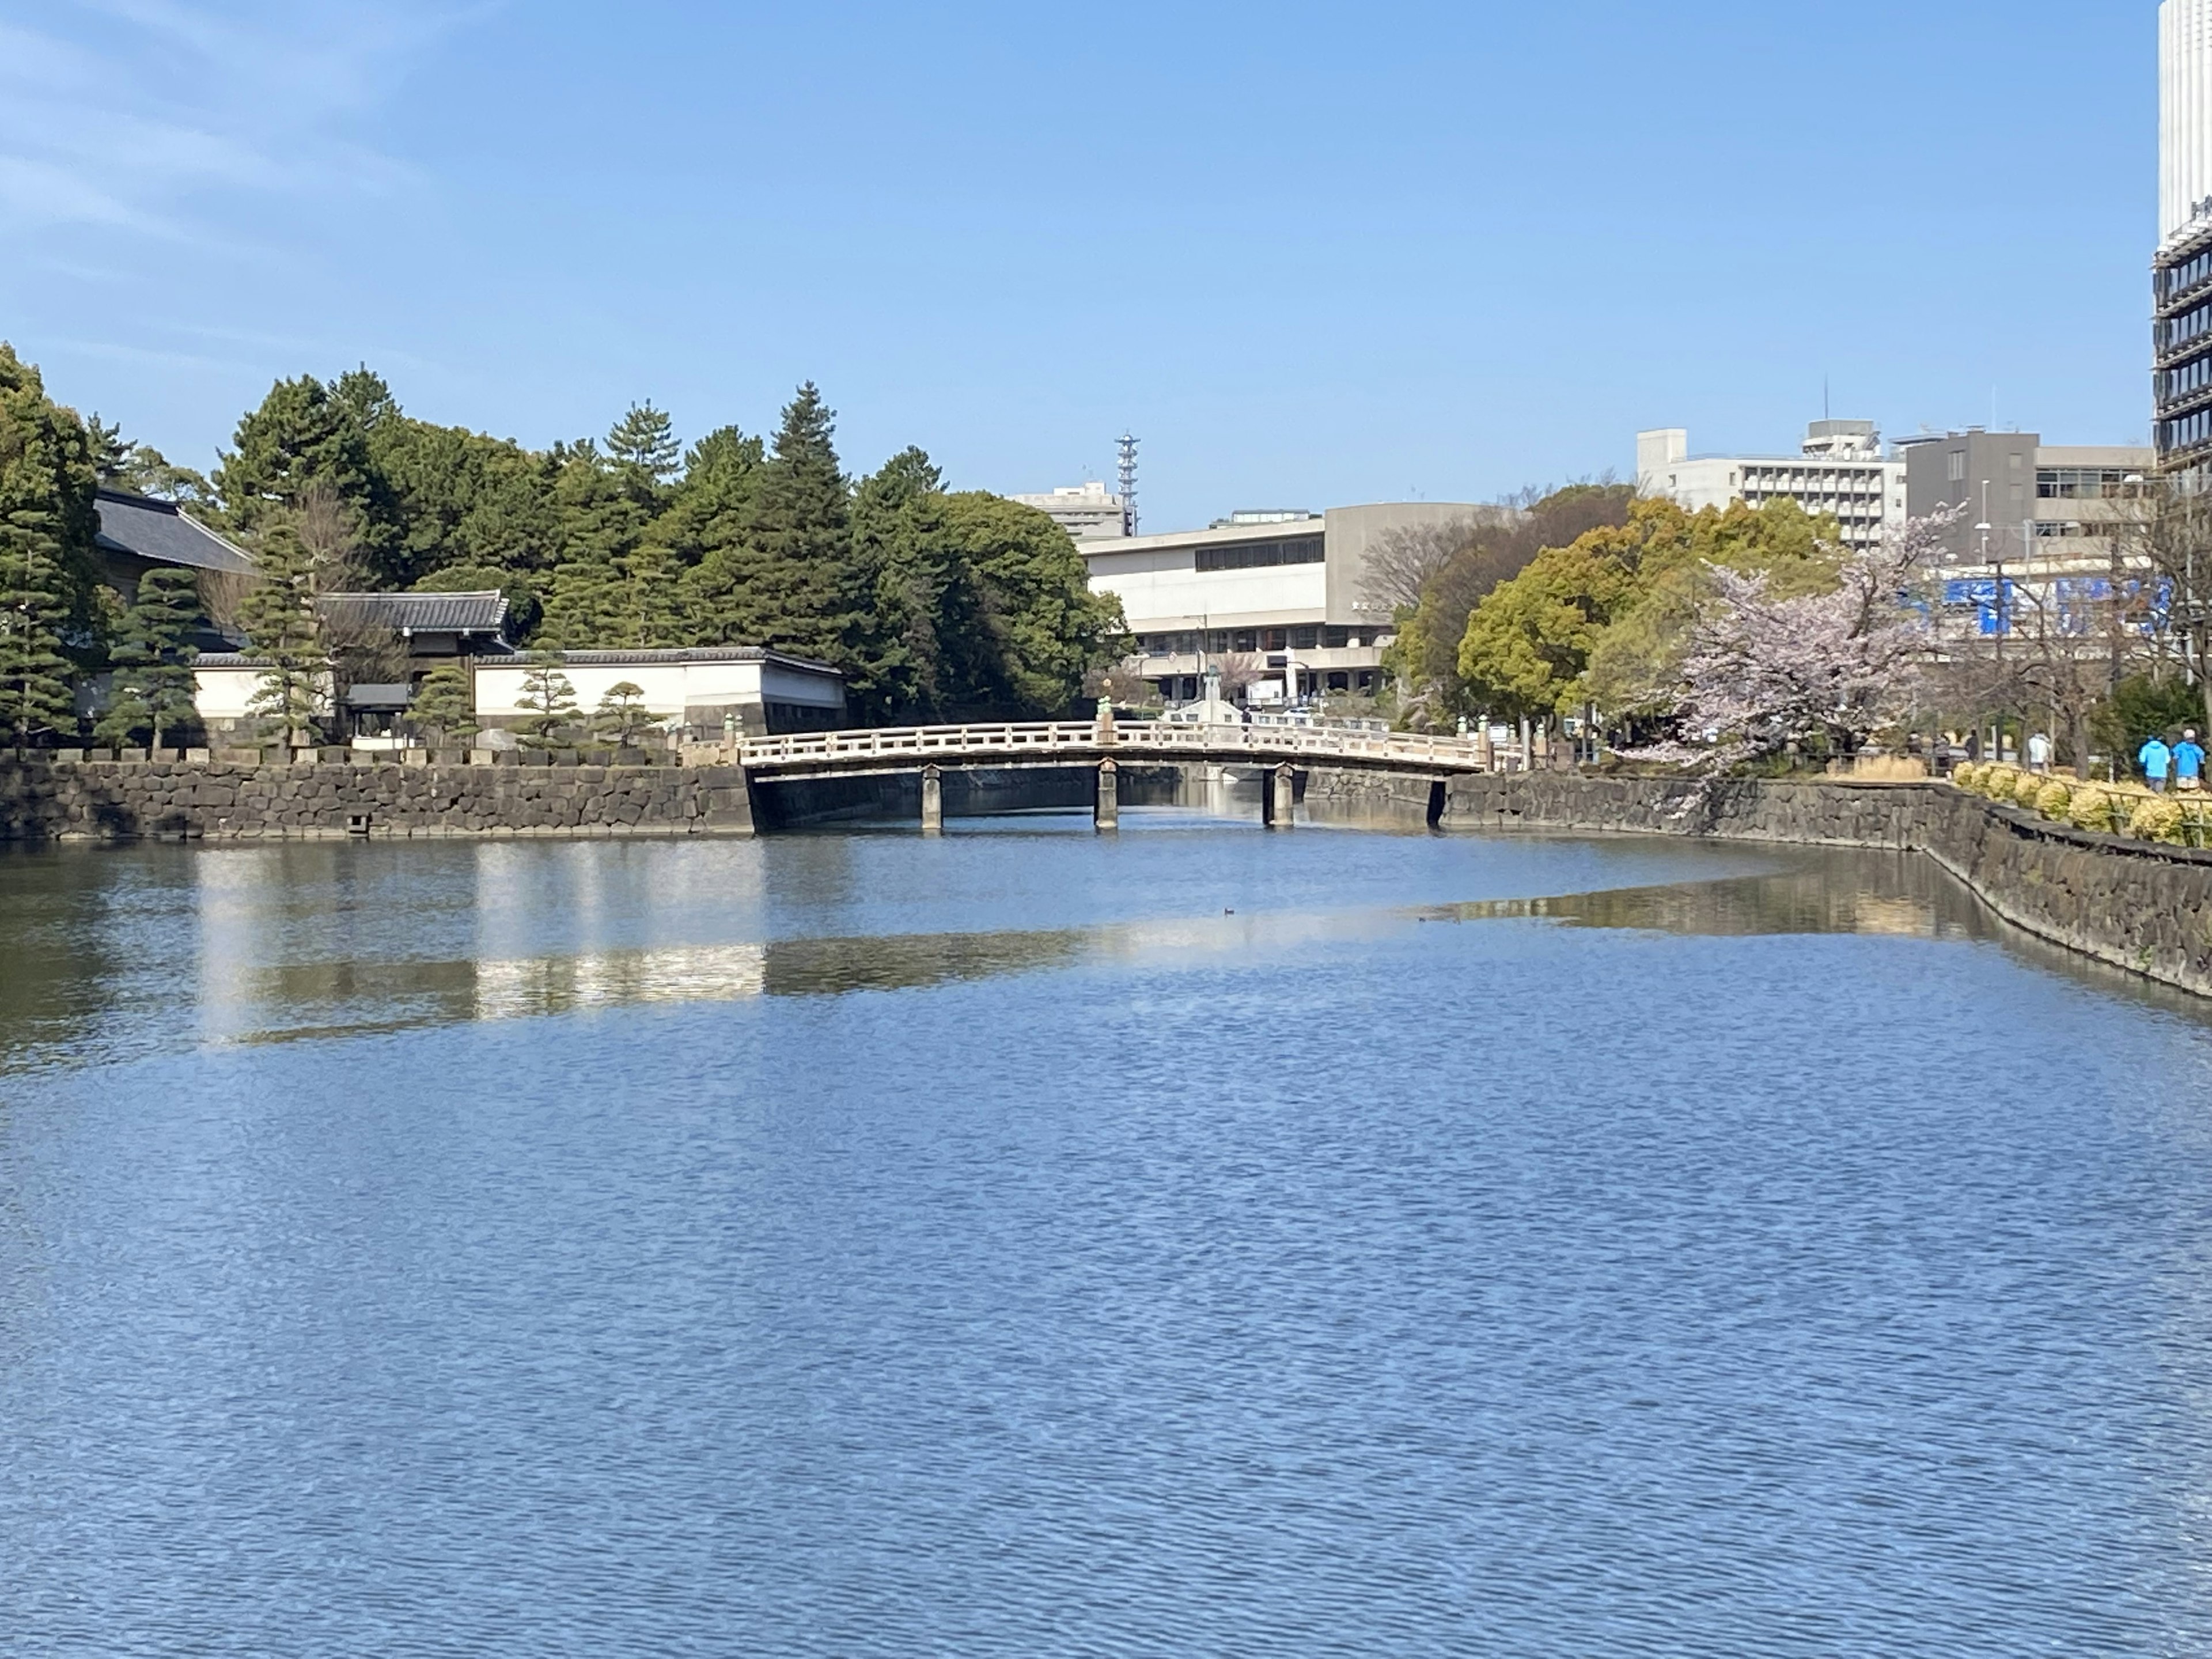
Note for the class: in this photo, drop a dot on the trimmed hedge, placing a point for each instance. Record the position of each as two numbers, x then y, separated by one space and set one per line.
2112 809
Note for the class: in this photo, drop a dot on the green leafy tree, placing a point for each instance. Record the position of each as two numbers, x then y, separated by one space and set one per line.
622 716
1608 617
49 615
444 703
1047 628
153 682
548 701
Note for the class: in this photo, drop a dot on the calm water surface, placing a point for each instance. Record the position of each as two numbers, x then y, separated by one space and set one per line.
1023 1243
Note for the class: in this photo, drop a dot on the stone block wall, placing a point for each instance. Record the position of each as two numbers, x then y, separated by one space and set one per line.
2135 905
42 800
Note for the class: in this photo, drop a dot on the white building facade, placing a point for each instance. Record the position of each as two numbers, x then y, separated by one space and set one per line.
1288 590
1839 469
1088 512
2181 271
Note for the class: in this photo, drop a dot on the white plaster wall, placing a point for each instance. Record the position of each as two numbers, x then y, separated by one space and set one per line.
1158 598
499 690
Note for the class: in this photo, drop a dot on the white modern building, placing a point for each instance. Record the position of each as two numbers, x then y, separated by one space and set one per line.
1088 512
2181 272
1839 470
1287 590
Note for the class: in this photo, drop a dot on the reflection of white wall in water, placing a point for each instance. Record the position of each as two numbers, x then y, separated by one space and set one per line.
523 989
229 886
509 896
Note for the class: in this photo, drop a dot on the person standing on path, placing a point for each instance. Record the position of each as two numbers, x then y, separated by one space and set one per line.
2188 762
2157 762
2038 753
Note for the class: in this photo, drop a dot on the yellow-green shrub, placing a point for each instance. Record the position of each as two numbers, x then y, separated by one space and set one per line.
2157 817
2028 789
2053 800
2092 808
1967 774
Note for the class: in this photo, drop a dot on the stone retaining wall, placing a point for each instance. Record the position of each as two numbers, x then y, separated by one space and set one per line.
2134 904
43 800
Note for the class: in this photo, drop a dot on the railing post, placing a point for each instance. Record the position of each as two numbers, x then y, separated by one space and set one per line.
932 801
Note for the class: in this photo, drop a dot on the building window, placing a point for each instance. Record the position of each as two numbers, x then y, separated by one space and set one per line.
1957 466
1253 555
1305 639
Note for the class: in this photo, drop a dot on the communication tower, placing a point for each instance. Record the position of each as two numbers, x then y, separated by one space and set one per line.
1127 446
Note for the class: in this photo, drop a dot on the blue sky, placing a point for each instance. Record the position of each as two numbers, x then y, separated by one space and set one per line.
1313 254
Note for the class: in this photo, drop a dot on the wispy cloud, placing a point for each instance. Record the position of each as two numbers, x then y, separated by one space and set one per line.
143 115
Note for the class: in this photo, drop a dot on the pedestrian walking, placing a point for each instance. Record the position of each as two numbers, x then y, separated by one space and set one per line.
2188 762
2157 762
2038 753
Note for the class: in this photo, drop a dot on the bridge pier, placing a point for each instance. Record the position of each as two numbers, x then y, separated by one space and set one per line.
1107 813
1280 801
932 801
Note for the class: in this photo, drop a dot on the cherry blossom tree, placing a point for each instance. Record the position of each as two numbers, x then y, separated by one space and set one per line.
1824 671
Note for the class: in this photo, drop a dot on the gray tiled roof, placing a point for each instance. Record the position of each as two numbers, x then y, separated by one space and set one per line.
165 533
420 613
694 653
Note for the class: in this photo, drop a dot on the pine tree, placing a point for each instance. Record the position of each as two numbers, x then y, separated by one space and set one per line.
304 433
153 658
622 716
443 704
279 613
550 700
50 618
642 446
35 693
788 579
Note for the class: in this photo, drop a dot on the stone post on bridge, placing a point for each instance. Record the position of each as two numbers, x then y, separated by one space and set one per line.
1107 814
932 801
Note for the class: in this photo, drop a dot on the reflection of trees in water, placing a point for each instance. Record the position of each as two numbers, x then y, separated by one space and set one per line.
1842 893
319 999
65 953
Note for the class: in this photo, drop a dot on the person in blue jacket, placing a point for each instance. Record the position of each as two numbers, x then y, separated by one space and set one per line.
2157 762
2189 762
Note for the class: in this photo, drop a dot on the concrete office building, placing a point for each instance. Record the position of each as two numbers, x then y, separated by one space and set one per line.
2047 522
1839 469
2181 273
1088 512
1287 590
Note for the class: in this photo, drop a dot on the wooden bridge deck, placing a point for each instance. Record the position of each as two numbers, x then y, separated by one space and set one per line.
1070 743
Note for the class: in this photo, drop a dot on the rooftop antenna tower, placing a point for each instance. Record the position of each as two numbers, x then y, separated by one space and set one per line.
1128 449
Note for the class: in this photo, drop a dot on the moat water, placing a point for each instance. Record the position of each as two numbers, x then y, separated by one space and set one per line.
1197 1240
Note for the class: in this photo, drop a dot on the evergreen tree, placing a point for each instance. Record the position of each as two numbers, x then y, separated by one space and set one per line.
443 704
550 701
110 450
621 715
304 434
525 607
50 619
153 682
279 613
786 580
643 447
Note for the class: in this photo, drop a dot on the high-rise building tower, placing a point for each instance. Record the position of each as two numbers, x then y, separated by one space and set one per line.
2181 275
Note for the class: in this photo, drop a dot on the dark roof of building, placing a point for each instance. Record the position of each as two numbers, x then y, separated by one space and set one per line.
379 696
420 613
165 533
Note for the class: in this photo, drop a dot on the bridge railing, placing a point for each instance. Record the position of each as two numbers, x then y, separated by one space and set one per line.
1019 740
